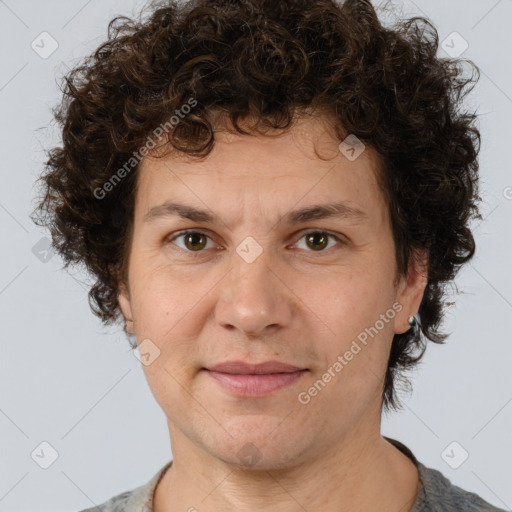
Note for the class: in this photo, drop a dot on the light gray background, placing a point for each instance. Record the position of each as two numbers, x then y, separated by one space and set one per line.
67 381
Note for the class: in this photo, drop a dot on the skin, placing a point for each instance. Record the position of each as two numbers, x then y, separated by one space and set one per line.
296 303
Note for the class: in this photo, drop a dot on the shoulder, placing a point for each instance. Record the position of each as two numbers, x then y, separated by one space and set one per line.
139 499
440 495
437 494
119 503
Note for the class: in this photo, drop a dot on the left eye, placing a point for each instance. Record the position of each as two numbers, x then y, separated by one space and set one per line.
196 241
319 239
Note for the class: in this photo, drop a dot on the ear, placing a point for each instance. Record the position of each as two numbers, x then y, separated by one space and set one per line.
410 290
123 298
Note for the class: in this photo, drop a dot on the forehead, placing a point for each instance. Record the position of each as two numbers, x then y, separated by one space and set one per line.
256 172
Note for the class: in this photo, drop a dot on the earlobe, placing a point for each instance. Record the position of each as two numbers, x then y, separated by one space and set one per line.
411 292
123 299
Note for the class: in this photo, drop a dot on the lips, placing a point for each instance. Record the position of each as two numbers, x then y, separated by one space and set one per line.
241 368
245 380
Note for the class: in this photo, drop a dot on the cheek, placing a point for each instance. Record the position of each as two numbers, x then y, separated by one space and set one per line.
358 323
161 300
344 301
174 368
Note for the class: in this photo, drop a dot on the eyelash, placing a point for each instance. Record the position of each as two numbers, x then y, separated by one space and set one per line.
199 253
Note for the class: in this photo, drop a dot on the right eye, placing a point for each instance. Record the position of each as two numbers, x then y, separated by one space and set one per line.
194 241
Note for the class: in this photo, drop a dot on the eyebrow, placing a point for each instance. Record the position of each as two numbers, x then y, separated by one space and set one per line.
313 212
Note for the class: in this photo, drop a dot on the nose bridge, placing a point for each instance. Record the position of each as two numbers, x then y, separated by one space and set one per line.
252 297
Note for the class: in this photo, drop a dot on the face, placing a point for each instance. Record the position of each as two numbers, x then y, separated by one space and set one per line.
261 276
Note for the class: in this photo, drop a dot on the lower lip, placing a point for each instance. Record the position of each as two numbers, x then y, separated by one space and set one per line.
255 385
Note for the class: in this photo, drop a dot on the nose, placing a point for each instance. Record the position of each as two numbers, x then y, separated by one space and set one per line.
254 298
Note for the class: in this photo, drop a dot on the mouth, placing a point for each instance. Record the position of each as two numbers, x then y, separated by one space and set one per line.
254 380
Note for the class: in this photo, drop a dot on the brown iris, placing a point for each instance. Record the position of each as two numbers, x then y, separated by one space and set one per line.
317 239
196 241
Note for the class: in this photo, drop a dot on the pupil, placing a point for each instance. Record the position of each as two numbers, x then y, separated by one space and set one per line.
192 238
312 239
315 236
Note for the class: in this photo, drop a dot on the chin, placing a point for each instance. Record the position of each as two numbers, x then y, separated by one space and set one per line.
262 445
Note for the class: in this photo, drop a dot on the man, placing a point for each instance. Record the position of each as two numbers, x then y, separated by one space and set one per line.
271 194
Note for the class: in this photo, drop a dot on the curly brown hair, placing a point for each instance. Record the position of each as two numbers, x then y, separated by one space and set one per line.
269 60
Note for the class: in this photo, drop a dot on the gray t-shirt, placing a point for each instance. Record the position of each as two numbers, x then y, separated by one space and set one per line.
435 493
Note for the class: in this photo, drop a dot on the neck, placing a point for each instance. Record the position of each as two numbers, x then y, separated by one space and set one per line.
367 474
